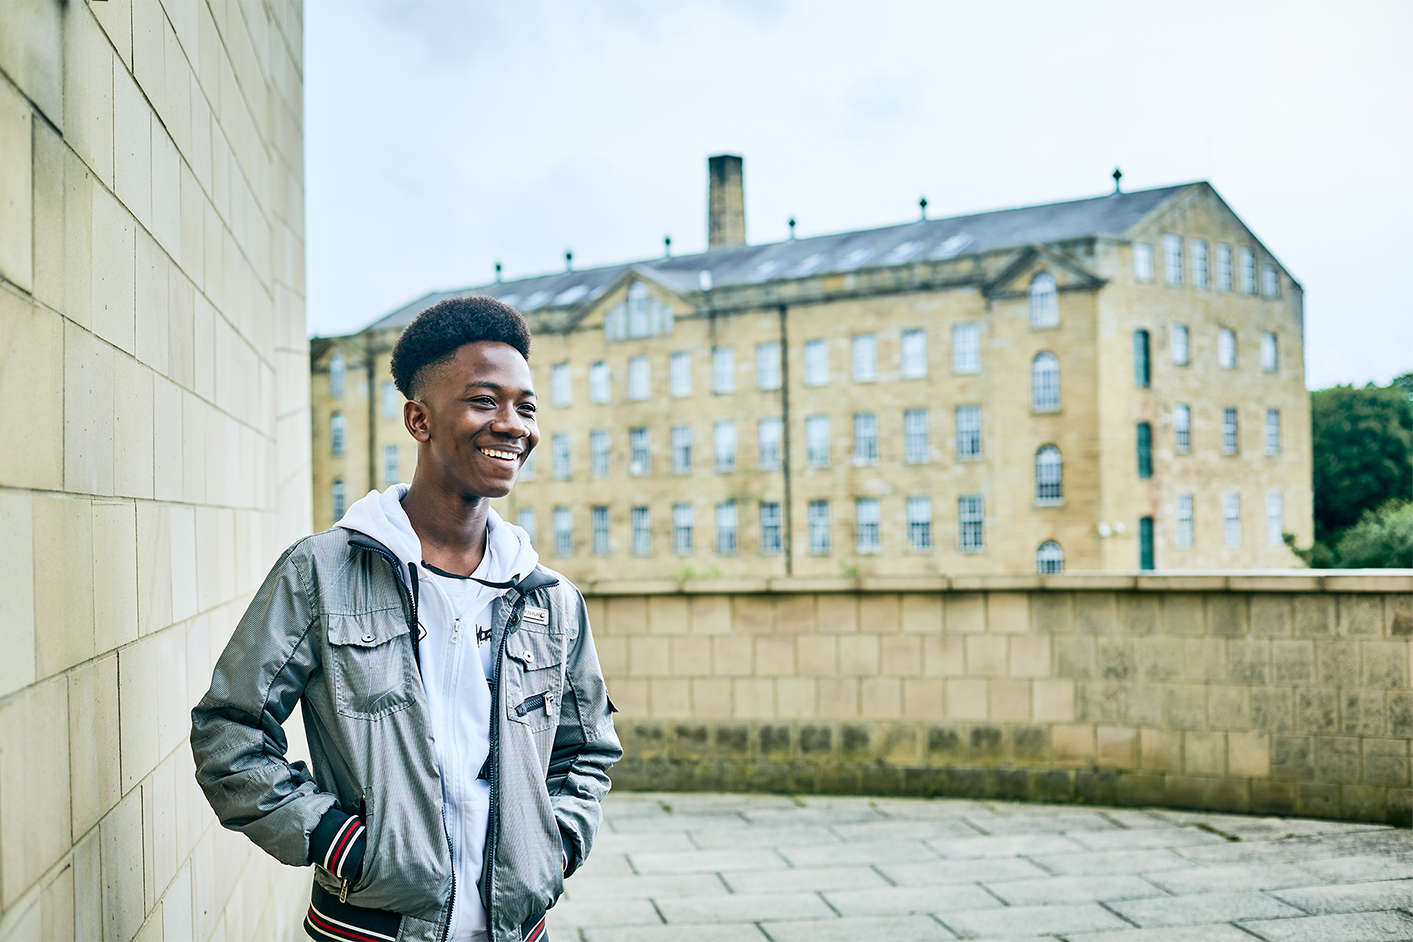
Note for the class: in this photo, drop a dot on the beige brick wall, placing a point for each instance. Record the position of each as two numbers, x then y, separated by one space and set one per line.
1274 694
154 445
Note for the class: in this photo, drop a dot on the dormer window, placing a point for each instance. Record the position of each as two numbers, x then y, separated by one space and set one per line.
1044 301
639 314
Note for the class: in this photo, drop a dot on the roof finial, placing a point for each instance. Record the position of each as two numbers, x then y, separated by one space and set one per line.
667 246
568 260
497 272
922 205
791 223
1118 175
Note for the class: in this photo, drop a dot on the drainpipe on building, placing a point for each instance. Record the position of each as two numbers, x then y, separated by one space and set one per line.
789 538
370 367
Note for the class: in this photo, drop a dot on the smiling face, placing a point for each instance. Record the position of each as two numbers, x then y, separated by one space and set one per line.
474 420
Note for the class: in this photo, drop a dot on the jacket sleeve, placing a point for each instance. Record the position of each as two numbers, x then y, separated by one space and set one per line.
585 745
239 743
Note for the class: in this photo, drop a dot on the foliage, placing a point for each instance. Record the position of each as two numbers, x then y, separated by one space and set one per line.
1382 539
1362 443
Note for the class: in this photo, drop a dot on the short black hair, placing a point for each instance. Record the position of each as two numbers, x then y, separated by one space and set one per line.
437 333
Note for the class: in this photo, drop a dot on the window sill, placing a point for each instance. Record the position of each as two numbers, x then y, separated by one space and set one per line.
1046 411
1050 503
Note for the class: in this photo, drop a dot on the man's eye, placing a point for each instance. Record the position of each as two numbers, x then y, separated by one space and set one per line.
527 409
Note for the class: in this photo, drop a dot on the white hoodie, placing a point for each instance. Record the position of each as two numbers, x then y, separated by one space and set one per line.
451 610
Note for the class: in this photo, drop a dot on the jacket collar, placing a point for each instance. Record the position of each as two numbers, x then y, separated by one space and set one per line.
537 578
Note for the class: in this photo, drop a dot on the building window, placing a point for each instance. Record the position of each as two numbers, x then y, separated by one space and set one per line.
1184 521
1248 272
392 400
681 449
968 421
723 435
865 437
337 372
1142 371
560 392
563 531
914 353
1142 261
770 544
1230 440
1049 475
1145 543
600 382
1045 382
1200 277
816 362
865 358
915 446
639 315
1275 518
679 368
918 512
1049 558
1270 353
391 462
1273 431
599 444
768 365
1224 269
817 441
723 370
639 378
1177 334
726 528
527 470
1182 428
526 521
1226 348
866 520
1231 518
337 434
639 457
337 497
1145 450
1044 301
769 433
642 533
682 522
971 523
966 348
1270 282
559 453
1172 259
598 528
817 518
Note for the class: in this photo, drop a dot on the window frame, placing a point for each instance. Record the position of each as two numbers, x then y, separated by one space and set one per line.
724 459
1044 298
967 429
682 441
1049 563
728 523
816 356
863 358
772 541
640 378
817 457
917 515
640 530
768 371
917 447
723 371
600 531
818 526
966 348
1045 396
865 445
679 374
868 538
971 523
682 532
640 450
600 382
600 452
1049 476
913 353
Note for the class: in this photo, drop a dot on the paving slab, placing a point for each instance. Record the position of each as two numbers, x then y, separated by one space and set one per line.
1143 839
736 932
855 929
857 852
1071 889
1355 927
811 879
1104 862
708 839
1360 869
1031 920
1006 845
1351 897
1198 908
934 872
1222 932
1242 876
745 907
900 900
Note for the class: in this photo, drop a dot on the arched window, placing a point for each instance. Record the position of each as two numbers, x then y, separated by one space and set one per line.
1049 475
336 371
1045 382
1044 301
1049 558
337 431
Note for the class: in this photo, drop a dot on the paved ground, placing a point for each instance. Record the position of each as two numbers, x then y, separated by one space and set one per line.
752 868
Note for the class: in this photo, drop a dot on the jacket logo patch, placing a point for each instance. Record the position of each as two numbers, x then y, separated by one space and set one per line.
536 616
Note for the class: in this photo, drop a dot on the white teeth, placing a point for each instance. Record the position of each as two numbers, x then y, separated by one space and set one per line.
505 455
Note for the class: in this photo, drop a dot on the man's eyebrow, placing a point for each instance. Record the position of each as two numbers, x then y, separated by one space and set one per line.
497 387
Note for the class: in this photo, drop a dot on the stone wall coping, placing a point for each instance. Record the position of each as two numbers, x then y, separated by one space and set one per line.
1296 580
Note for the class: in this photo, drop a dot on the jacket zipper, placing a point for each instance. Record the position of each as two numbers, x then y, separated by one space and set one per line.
488 865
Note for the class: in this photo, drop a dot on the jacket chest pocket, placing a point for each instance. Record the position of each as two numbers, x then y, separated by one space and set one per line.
534 677
370 664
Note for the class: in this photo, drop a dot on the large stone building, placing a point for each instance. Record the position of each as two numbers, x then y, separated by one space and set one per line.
1112 383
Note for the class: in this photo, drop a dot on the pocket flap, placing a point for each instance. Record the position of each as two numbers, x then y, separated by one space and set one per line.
534 649
366 631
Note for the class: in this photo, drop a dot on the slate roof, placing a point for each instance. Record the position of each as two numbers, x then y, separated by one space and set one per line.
924 240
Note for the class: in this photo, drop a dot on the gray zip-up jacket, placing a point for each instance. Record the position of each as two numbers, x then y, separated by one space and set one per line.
334 627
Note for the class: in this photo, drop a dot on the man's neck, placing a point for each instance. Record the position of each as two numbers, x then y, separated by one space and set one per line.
452 530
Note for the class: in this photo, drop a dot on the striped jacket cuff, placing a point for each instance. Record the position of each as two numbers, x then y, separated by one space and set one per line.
337 844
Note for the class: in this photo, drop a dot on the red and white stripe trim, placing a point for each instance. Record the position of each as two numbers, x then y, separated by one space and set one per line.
342 843
534 934
331 928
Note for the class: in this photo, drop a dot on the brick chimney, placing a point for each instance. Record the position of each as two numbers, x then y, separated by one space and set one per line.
726 202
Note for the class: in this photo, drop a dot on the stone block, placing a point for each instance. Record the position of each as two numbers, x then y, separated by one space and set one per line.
1359 616
88 91
1182 613
1363 713
1317 800
1095 612
16 591
1160 750
16 188
838 697
752 613
1211 908
34 765
1145 704
837 613
1337 760
795 697
1250 660
139 677
944 656
753 698
1009 700
964 613
858 655
1102 701
1072 742
1052 701
1052 612
631 696
48 206
1270 615
132 146
154 577
628 614
1030 656
167 440
114 286
1115 658
1385 762
1116 746
1185 706
31 54
816 655
879 612
1400 713
114 569
1229 707
1293 758
166 191
731 655
648 657
89 382
688 656
1159 659
1226 614
1268 797
795 612
966 699
1384 663
1293 662
986 655
775 655
1336 663
670 697
1273 709
120 834
1316 710
1363 802
1075 658
880 697
920 613
1249 753
132 428
1139 613
63 608
924 697
1398 616
1313 615
1008 612
900 655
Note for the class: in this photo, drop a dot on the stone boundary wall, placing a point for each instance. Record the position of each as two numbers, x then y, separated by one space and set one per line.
1267 693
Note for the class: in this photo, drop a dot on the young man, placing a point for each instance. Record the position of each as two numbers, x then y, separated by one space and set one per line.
456 715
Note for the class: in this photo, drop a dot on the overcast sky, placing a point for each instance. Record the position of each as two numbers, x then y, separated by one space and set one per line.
443 135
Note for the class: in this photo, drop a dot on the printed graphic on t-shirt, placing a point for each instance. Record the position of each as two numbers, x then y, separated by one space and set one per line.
482 634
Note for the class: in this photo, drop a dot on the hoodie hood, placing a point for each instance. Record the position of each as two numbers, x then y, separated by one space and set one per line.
379 514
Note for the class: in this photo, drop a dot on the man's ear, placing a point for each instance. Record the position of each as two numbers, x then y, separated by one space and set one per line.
417 420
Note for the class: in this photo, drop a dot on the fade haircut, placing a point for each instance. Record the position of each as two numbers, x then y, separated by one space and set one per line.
437 333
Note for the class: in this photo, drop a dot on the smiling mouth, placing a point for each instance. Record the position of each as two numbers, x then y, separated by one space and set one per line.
499 454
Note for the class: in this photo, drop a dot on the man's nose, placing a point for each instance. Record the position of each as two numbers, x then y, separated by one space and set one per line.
511 422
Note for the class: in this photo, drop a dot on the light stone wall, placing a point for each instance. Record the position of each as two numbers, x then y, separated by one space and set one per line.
154 444
1274 693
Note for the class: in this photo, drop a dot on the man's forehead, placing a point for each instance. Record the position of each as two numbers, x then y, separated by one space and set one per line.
486 363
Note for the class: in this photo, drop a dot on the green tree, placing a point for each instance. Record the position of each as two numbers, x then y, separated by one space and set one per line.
1382 539
1362 443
